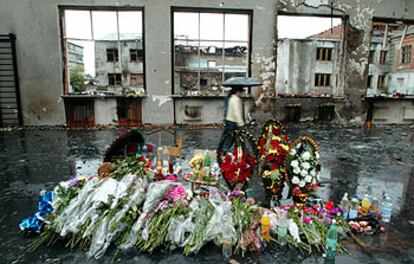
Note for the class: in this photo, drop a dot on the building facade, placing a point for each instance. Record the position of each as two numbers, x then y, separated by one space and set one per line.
75 56
40 57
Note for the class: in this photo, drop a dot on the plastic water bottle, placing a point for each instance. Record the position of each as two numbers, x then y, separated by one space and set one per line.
282 228
386 209
226 246
331 242
345 206
353 211
144 150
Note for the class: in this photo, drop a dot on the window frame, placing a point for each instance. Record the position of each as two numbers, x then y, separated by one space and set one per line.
383 57
406 53
114 75
224 11
324 54
113 52
325 78
63 38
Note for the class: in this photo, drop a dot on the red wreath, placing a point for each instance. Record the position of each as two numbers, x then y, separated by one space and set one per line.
237 169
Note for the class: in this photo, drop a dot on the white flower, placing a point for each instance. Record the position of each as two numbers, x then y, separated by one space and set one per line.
302 183
293 152
296 170
313 173
306 155
295 180
317 155
308 178
313 181
304 173
317 177
306 165
295 163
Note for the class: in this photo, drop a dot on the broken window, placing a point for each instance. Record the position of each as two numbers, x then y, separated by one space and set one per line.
392 71
209 47
309 55
381 82
369 81
136 55
137 79
406 54
98 44
114 79
383 57
112 55
324 54
322 80
371 56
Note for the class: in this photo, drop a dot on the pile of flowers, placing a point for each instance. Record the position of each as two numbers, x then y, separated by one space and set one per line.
308 226
238 167
303 166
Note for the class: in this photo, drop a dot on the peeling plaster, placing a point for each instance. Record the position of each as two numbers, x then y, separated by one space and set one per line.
267 70
162 99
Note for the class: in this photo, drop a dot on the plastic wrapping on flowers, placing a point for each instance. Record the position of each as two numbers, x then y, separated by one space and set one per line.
130 209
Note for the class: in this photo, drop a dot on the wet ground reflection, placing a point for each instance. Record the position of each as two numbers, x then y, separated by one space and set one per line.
350 159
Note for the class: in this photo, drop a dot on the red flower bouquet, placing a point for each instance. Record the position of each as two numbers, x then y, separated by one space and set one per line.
237 166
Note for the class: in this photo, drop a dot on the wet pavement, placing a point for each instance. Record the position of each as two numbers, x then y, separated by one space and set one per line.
32 158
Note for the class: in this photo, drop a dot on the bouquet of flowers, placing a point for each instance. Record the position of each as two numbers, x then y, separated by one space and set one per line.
237 167
247 220
140 166
174 204
303 166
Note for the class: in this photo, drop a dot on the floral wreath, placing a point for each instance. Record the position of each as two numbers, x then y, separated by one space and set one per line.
303 165
273 148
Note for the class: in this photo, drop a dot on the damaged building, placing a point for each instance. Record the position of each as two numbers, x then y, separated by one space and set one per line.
169 72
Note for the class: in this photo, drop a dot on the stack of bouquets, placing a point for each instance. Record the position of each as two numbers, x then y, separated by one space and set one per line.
303 166
308 226
238 166
101 212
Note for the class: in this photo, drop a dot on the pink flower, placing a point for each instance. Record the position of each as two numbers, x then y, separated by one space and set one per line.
307 220
176 194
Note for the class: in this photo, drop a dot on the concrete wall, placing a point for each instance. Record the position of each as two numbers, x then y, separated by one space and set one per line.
385 112
105 111
39 55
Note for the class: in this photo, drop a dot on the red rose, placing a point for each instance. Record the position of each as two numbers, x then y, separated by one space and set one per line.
329 205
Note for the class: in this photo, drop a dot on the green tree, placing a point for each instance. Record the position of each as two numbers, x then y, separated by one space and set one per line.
77 79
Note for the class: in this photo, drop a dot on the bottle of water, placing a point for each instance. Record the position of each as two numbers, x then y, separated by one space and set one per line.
282 228
331 242
144 150
353 211
345 206
226 245
386 209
